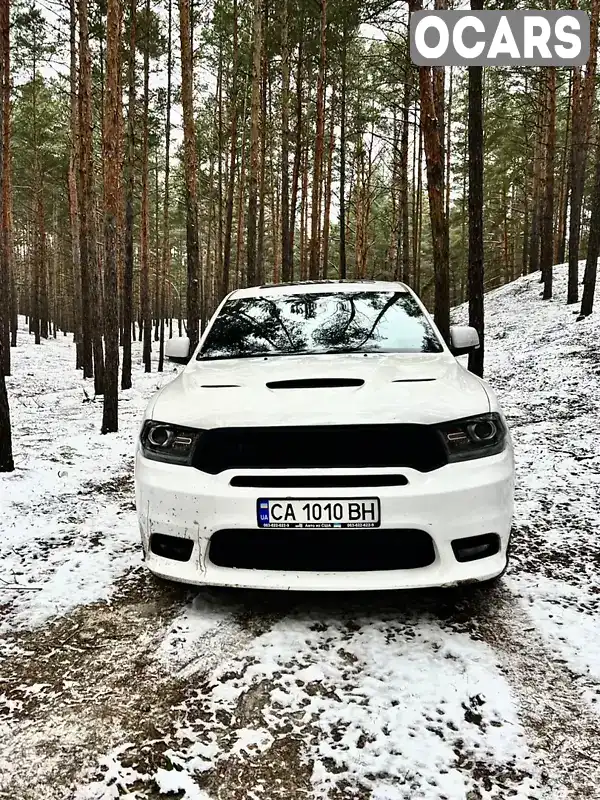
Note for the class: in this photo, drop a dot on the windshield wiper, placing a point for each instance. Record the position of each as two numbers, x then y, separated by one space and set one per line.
203 357
334 351
283 353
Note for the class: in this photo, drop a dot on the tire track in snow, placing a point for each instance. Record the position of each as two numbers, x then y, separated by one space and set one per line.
364 696
120 675
563 730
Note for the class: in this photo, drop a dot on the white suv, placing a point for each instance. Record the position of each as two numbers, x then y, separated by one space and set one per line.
323 436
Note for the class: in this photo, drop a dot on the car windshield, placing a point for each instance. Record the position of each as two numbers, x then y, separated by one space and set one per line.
314 323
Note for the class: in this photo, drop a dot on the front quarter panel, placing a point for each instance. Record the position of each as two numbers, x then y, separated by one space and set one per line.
149 412
492 398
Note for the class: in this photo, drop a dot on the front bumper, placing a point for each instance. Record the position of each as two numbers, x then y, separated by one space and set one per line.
457 501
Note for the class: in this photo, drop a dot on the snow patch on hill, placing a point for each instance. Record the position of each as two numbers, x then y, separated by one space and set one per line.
545 367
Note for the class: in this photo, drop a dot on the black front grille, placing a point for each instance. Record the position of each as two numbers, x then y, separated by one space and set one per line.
335 550
320 447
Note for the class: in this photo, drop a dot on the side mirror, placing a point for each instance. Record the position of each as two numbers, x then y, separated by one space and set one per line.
178 349
463 339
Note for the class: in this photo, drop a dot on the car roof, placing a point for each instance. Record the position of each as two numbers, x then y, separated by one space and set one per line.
319 287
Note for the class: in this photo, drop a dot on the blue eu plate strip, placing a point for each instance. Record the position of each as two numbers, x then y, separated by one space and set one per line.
263 511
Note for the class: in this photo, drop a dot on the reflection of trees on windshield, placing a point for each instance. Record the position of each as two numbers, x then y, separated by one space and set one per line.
305 304
320 322
247 327
351 327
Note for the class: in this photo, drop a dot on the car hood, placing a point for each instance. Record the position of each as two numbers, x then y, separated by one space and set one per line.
419 388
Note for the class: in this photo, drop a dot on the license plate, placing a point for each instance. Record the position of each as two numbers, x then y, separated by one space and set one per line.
360 512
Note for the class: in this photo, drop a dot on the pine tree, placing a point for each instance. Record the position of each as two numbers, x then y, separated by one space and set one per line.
91 289
6 455
145 210
129 202
251 257
191 177
166 254
315 232
547 245
582 103
476 167
110 148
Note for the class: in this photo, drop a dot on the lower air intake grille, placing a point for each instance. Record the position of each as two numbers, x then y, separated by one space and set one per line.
346 550
320 447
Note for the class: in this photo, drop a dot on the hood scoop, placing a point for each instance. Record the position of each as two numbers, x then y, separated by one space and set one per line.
413 380
316 383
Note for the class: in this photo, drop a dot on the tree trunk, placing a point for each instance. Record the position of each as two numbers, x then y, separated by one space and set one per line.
7 186
73 200
260 246
38 201
91 298
591 264
537 180
5 256
403 210
315 232
120 190
505 247
275 193
6 457
438 76
240 199
304 215
218 261
251 273
563 190
449 146
525 236
42 262
548 212
145 215
328 182
110 152
129 201
393 255
416 183
435 188
475 266
157 259
297 152
166 249
191 177
343 266
582 104
232 159
286 255
209 271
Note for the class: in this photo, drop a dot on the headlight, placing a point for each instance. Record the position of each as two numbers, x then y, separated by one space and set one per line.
475 437
171 443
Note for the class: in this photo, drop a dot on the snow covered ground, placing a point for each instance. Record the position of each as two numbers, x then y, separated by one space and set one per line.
112 684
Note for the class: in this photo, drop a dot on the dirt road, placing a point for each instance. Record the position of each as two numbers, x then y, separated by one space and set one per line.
243 694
